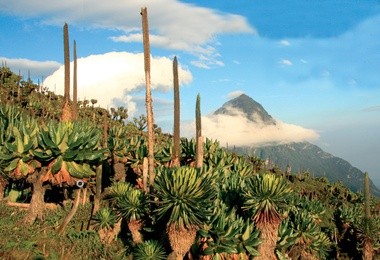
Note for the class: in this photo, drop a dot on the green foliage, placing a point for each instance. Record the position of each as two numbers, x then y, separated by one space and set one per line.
138 149
149 250
368 229
18 143
184 196
228 234
132 205
105 218
188 150
69 149
301 236
163 152
287 237
118 189
224 199
20 241
265 195
117 144
304 155
315 208
349 214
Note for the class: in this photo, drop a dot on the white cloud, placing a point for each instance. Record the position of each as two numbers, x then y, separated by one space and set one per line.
235 94
37 69
112 77
224 80
285 62
172 24
240 131
285 42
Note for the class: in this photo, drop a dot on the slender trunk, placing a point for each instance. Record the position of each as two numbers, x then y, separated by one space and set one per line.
3 184
148 97
176 134
66 110
268 236
198 134
18 87
367 250
99 169
115 231
37 203
199 151
367 244
75 86
367 197
98 188
145 174
62 228
67 62
181 240
84 197
135 227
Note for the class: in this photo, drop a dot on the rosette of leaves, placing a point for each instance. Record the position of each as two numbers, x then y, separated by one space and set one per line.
184 199
133 207
265 197
138 150
110 229
315 208
69 150
242 166
149 250
310 240
367 231
220 160
104 221
163 153
228 236
347 215
230 187
9 115
117 144
232 181
118 189
16 151
286 239
188 151
105 218
211 147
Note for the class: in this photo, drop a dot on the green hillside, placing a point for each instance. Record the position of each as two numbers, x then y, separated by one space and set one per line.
81 189
306 157
301 156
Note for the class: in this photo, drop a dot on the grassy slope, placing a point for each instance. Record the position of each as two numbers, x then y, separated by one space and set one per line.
40 241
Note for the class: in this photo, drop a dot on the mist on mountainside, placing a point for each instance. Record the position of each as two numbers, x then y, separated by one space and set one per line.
244 126
244 122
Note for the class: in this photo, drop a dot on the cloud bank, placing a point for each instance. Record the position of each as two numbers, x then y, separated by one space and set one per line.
173 25
37 69
239 131
112 77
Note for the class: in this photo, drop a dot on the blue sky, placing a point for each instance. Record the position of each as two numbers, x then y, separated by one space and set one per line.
313 65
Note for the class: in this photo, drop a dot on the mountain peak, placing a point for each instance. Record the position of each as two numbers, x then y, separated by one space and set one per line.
252 110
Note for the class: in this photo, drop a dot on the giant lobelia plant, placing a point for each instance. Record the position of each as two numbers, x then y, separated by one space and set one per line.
264 197
17 144
184 198
70 151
